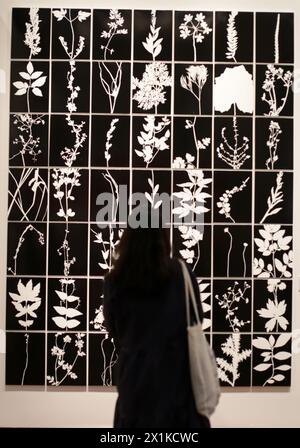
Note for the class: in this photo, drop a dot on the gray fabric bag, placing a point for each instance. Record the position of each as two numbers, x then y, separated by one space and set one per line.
203 367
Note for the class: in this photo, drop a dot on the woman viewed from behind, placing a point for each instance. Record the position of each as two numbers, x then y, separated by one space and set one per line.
145 314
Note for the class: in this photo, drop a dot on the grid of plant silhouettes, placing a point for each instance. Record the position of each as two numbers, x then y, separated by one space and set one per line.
196 104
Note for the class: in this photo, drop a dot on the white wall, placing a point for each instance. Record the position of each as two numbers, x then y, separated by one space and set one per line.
95 409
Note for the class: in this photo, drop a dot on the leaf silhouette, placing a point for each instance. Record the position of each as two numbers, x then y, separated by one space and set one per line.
282 355
262 367
282 340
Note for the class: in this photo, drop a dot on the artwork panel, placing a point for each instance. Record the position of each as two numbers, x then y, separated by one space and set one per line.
232 251
232 306
26 252
233 355
271 360
272 305
192 142
28 140
66 96
273 251
233 143
109 195
25 303
29 87
102 360
152 35
96 316
274 143
31 33
192 191
274 90
228 99
112 34
67 304
66 359
233 196
190 242
71 33
205 290
275 30
110 130
151 141
151 87
111 87
193 34
28 367
69 189
69 140
103 242
193 89
274 197
74 238
27 194
234 36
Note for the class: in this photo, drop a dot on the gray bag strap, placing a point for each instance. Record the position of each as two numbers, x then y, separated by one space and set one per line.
189 294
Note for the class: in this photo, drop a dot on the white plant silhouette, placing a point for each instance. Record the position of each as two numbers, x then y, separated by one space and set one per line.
110 74
272 144
26 303
191 238
21 240
227 95
32 35
109 246
275 198
196 28
64 369
65 181
230 301
274 77
200 144
69 155
224 201
272 243
115 27
36 209
232 37
276 39
229 371
150 91
31 84
245 245
275 271
153 138
275 310
192 202
272 358
194 81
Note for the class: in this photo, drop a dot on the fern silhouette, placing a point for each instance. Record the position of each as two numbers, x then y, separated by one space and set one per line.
275 198
232 37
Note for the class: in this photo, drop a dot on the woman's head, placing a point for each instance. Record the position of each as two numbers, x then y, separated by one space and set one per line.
142 258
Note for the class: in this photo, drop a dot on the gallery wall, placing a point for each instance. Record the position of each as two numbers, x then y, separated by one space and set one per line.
98 403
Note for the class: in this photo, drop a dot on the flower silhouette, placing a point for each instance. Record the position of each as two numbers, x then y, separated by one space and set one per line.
150 89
